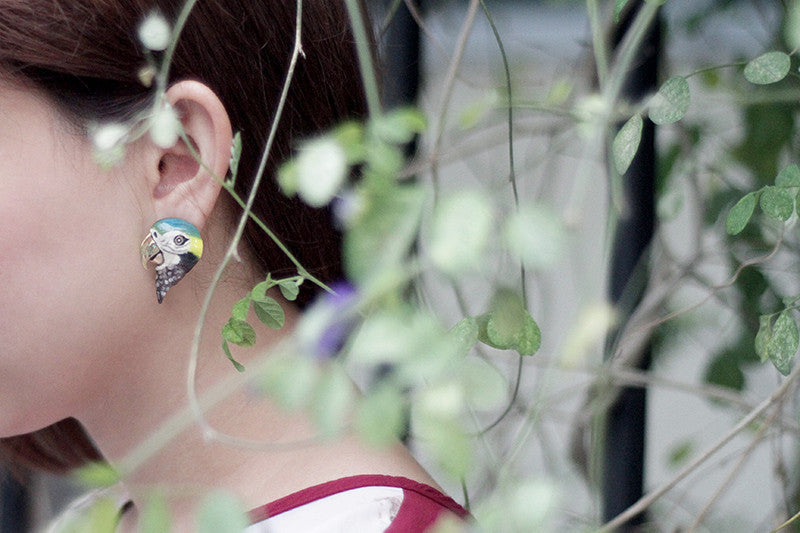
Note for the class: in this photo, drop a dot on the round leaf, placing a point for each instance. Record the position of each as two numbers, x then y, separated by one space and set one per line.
536 234
783 343
221 512
333 399
290 288
626 143
767 68
671 101
381 416
788 177
763 336
155 517
777 203
740 214
461 227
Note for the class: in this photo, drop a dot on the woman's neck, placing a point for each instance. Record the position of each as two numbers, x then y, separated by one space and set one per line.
148 429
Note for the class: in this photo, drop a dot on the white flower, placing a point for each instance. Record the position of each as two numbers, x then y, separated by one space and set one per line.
155 32
107 136
321 170
164 126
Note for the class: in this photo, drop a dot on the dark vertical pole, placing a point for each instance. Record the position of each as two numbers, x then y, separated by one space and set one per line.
13 505
400 54
624 453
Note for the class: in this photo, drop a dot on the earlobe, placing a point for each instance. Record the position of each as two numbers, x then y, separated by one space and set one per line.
185 187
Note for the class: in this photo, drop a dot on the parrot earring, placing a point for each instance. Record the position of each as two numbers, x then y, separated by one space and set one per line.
174 246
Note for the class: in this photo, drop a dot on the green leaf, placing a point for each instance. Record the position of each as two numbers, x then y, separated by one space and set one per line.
443 438
671 101
460 232
767 68
97 474
241 309
680 453
788 177
350 135
333 399
102 516
763 337
383 234
619 5
239 332
485 387
536 234
724 371
464 335
155 516
392 337
626 143
399 126
508 326
269 312
290 288
288 177
236 364
289 380
777 203
783 343
381 416
236 155
740 214
221 512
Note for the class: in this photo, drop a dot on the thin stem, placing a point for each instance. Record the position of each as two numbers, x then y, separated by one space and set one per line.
598 41
645 501
232 249
437 129
364 52
756 440
512 174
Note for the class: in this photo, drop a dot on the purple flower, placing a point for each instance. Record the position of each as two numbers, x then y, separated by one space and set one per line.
327 323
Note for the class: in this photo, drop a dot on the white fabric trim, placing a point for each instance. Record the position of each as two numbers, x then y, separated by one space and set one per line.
364 509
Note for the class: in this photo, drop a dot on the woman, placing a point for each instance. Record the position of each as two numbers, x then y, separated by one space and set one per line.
87 347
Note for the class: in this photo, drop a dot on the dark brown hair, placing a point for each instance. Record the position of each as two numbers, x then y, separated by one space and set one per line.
85 55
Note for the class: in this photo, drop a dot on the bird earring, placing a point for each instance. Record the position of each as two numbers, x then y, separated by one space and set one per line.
174 246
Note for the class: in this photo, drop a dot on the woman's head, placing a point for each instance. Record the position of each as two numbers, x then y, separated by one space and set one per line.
84 58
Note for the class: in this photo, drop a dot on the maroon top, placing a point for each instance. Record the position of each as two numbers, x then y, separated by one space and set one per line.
422 504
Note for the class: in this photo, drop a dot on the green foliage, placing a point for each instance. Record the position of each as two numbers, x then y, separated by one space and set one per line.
382 235
155 516
221 512
778 340
768 68
671 102
776 201
239 331
236 155
460 232
626 143
508 326
97 475
102 516
535 233
382 416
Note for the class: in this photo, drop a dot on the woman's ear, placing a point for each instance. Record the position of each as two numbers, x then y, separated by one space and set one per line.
181 186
